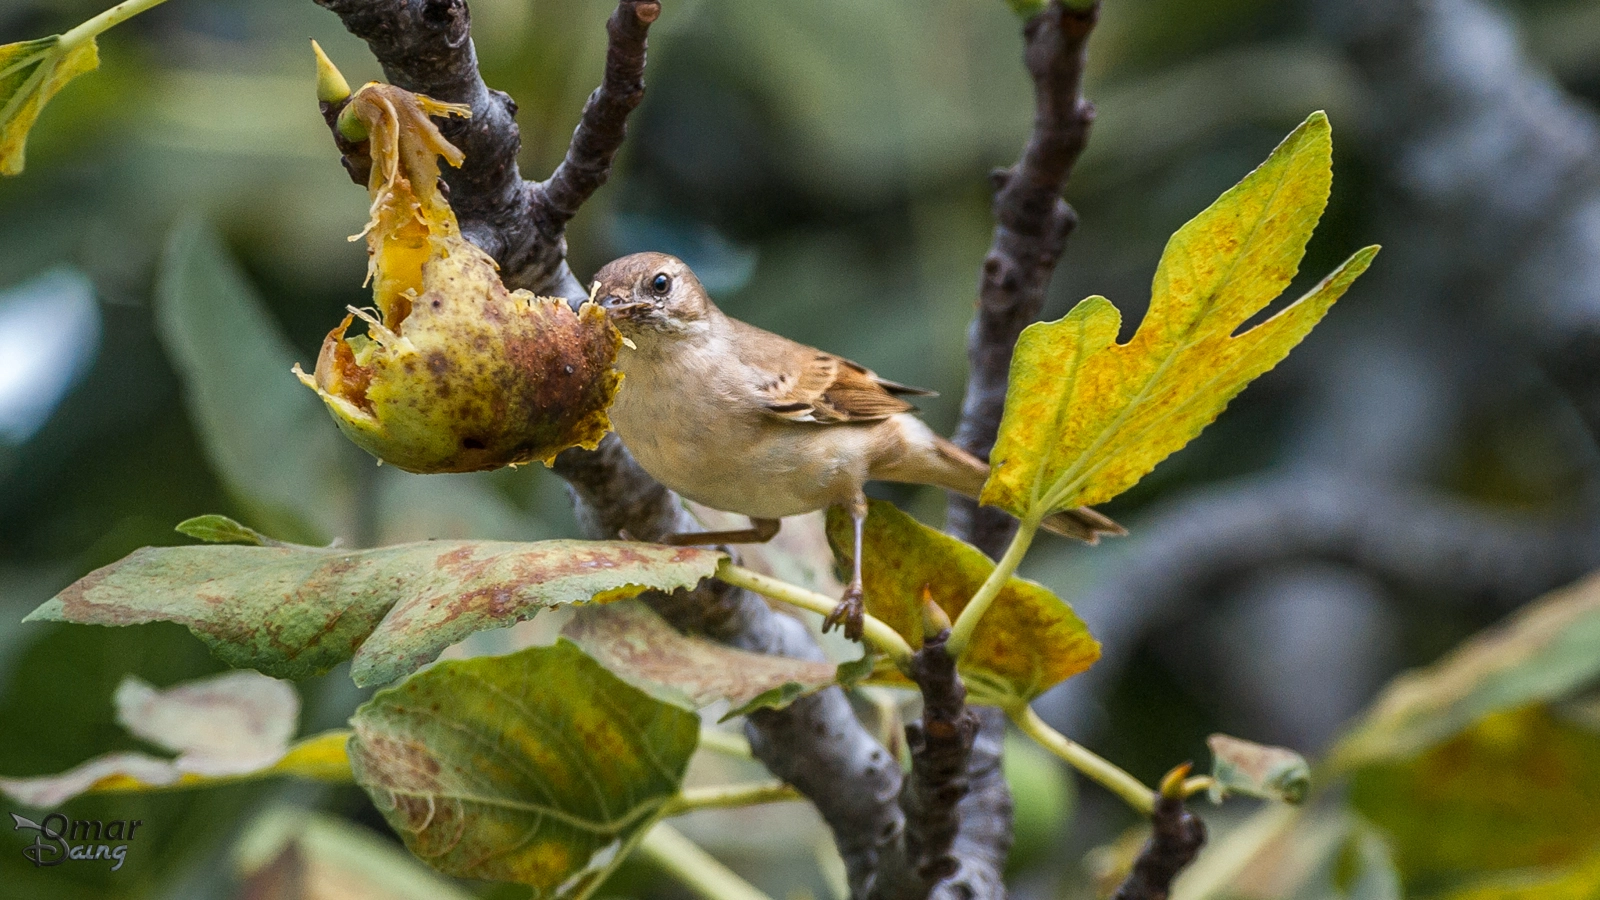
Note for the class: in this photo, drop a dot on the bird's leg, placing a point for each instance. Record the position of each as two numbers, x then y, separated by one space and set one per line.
759 532
851 609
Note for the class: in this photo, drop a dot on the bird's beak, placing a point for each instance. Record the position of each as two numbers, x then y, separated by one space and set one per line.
618 305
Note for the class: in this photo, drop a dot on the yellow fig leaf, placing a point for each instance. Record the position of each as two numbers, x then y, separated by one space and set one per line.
1028 642
456 373
31 72
1086 417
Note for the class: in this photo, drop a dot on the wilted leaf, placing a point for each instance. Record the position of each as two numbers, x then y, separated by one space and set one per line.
639 647
297 611
1028 641
537 768
265 437
1517 789
31 72
1543 652
224 728
1256 770
1086 417
215 529
290 853
455 373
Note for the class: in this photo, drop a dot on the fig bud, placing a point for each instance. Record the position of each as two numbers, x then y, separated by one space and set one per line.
455 373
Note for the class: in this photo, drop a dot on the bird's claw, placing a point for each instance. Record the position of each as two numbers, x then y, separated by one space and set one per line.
849 613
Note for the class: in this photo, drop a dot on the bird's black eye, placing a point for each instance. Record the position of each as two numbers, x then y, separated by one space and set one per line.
661 283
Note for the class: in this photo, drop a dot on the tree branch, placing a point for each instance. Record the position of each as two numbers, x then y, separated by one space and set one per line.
605 118
816 743
941 744
957 804
1175 841
426 46
1031 227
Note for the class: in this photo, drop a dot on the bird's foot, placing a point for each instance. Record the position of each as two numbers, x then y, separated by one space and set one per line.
850 613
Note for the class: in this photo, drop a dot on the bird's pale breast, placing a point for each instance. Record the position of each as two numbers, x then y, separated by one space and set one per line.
685 422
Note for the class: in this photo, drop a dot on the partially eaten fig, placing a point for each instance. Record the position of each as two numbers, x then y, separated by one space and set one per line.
455 373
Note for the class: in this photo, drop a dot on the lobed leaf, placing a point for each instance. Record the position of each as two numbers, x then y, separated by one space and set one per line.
1028 641
1086 417
292 611
539 768
1543 652
1256 770
639 647
224 728
31 72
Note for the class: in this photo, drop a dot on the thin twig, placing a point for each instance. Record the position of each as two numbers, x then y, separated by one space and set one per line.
604 122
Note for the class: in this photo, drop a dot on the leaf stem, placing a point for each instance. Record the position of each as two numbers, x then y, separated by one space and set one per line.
116 15
727 796
684 860
1109 775
877 632
967 622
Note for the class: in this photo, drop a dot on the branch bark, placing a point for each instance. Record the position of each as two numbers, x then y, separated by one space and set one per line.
1032 223
817 744
1175 841
957 804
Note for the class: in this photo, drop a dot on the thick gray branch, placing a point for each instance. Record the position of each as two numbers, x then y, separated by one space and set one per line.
816 744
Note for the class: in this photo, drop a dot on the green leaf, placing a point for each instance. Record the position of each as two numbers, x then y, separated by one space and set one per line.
1086 417
539 768
1028 641
639 647
1544 652
295 611
1255 770
1518 788
215 529
31 72
267 439
225 728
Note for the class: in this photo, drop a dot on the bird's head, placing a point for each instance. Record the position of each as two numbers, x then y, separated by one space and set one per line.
650 295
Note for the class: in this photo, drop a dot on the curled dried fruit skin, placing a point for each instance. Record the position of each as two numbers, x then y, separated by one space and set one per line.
455 373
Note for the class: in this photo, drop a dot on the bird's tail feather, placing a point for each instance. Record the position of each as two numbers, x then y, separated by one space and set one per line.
954 469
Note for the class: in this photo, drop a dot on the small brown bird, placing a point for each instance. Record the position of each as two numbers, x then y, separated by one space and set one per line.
749 422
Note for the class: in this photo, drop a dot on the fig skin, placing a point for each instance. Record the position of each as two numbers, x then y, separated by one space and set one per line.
455 372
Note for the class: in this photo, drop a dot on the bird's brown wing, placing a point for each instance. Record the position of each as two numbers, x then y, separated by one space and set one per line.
803 384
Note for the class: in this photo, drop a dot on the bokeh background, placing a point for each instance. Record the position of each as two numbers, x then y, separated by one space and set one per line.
1419 468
